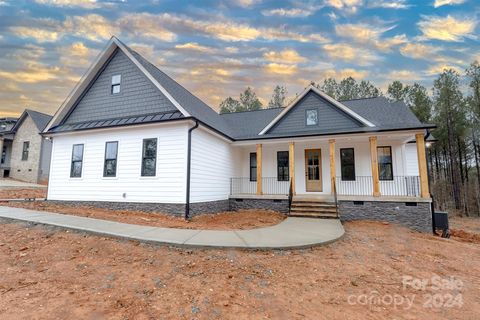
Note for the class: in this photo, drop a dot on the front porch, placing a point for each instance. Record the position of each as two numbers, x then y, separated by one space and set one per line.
354 168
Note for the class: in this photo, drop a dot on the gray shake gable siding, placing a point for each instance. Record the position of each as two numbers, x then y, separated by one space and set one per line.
137 95
329 117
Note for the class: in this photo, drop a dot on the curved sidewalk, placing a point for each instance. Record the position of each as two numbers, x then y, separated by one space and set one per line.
291 233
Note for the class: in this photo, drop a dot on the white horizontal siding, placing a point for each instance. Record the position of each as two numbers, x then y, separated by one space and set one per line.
167 187
411 159
211 167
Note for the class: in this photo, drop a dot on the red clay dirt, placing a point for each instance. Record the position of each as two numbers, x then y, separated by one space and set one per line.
48 273
238 220
21 193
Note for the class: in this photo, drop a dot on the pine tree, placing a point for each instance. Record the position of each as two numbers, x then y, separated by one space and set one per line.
278 97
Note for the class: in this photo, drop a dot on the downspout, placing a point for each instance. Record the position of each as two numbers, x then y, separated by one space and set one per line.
189 158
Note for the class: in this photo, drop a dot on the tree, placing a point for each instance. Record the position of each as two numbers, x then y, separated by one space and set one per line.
473 74
419 102
349 89
230 105
249 100
449 110
397 91
278 97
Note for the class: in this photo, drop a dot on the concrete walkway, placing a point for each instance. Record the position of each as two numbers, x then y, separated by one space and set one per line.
6 183
291 233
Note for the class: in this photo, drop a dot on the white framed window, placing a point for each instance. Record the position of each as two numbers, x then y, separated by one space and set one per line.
311 117
116 80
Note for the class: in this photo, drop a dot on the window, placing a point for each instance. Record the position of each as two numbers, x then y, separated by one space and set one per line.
77 161
253 166
149 158
116 83
385 167
311 117
26 147
110 165
347 163
282 166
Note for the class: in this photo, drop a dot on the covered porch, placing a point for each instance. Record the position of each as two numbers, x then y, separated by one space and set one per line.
351 167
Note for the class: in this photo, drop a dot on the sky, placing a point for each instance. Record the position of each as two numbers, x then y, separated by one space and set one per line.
216 48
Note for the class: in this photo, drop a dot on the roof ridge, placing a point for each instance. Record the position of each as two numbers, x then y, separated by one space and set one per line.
261 109
361 98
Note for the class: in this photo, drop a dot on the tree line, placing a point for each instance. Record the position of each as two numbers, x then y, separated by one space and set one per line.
452 103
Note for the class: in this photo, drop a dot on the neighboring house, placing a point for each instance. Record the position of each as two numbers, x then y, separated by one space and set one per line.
129 136
28 153
6 139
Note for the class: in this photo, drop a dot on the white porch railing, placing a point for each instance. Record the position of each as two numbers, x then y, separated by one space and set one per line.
270 185
400 186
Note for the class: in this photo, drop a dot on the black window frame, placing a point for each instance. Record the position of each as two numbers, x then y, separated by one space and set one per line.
75 161
106 160
306 118
388 163
343 165
116 84
144 157
25 150
253 156
283 171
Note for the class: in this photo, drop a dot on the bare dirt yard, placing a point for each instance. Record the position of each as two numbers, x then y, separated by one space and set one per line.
239 220
49 273
22 193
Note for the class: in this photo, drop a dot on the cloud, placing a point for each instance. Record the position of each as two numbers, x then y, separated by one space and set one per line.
87 4
403 75
40 35
439 3
368 35
195 47
146 25
93 27
32 73
418 50
392 4
446 28
289 56
346 52
350 6
245 3
289 13
280 68
439 68
76 55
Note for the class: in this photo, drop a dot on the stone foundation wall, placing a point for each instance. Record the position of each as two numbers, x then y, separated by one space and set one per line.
176 209
417 217
268 204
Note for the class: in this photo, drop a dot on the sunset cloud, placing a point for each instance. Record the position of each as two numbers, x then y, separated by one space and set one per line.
40 35
369 35
89 4
194 46
418 50
353 54
285 56
280 68
446 28
439 3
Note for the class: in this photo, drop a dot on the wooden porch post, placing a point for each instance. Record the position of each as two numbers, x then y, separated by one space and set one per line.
374 161
333 171
291 164
422 165
259 169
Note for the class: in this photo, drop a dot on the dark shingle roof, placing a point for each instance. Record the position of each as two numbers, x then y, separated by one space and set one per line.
383 113
142 119
249 123
39 119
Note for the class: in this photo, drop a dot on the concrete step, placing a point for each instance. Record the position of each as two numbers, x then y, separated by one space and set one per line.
306 209
307 198
313 204
314 215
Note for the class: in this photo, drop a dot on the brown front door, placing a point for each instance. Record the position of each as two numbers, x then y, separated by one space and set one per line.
313 170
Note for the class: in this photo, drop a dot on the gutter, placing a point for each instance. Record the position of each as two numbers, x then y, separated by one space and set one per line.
189 164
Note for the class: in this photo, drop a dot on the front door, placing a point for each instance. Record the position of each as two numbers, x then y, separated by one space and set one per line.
313 170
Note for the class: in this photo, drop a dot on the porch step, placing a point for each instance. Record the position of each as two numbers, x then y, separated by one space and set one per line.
313 207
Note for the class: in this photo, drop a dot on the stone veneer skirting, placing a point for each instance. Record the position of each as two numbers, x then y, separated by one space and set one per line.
176 209
279 205
417 217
